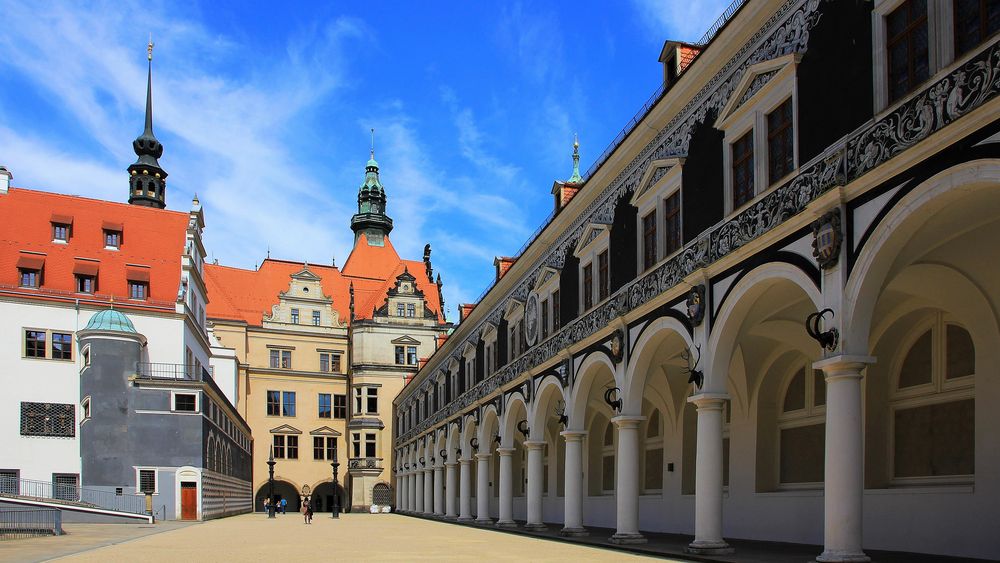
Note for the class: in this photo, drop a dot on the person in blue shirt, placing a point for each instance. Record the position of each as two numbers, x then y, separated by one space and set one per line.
284 505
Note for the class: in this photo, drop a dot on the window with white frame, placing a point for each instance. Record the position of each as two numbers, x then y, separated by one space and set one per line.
85 409
933 405
595 266
760 125
916 39
547 288
489 337
802 429
183 402
469 359
146 481
658 218
514 315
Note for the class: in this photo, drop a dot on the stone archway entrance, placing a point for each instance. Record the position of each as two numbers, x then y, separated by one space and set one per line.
322 497
282 490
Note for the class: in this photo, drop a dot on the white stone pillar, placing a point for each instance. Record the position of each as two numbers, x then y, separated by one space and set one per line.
708 476
439 490
627 480
506 519
429 490
843 479
412 505
483 488
401 494
418 478
536 449
464 490
449 489
573 499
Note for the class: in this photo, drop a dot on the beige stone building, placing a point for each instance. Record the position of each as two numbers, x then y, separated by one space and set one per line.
322 351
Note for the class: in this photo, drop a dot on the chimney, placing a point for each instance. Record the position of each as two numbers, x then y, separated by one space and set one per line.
5 178
503 263
464 310
676 56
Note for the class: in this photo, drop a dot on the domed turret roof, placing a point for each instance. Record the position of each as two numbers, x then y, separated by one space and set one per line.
111 320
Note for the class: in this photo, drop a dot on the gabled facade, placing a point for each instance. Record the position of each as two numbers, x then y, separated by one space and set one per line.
321 350
796 322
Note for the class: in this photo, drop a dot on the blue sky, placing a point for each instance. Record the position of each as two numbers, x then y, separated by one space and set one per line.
264 112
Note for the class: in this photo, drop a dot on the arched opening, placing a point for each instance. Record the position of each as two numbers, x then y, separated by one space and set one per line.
283 490
589 412
323 497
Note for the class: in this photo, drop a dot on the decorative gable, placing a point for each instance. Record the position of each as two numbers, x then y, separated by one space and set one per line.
323 431
592 232
285 429
297 305
658 174
755 79
406 340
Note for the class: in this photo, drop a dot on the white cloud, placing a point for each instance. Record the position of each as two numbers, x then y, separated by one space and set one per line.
680 20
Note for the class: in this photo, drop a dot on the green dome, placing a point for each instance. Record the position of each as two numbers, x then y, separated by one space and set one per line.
111 320
371 163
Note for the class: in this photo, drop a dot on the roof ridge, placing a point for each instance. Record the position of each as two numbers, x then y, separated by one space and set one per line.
95 200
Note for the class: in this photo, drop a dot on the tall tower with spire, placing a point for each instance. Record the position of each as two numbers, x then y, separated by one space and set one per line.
575 178
147 181
371 219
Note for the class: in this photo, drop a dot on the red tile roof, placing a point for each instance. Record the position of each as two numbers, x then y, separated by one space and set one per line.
246 295
151 246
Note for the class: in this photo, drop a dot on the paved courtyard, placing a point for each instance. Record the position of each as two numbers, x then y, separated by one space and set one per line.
355 537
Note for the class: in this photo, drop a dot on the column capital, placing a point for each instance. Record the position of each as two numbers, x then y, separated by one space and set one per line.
844 365
627 421
534 444
709 401
573 435
484 457
450 464
465 460
505 452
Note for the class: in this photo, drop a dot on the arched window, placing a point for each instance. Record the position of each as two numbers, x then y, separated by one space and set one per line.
933 405
653 464
608 460
802 429
210 455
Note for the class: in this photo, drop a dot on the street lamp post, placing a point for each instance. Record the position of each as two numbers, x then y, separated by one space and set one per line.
336 488
270 484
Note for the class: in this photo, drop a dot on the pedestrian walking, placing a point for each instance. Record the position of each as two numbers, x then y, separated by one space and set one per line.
267 504
302 509
309 513
284 506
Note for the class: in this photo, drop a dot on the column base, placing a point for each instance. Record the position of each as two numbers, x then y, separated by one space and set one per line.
574 532
709 548
626 539
536 526
484 521
465 519
834 556
506 524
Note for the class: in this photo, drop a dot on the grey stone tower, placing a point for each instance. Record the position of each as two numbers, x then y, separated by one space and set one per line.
147 181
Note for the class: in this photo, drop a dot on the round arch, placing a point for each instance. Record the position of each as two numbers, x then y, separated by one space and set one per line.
658 334
590 370
874 263
549 389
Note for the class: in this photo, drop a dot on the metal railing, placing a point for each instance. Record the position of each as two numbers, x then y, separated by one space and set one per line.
365 463
16 523
167 371
62 493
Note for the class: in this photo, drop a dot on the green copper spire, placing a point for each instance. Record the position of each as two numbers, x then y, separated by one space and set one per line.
371 219
575 178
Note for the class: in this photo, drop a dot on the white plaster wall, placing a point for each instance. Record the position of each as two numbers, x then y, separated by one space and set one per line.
54 381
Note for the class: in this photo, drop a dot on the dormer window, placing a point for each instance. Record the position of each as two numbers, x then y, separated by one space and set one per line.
658 204
138 283
400 310
85 272
112 239
85 284
742 173
60 232
588 287
29 268
411 310
780 145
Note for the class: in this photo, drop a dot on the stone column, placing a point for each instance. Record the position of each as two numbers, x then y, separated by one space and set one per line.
401 494
429 490
465 490
843 483
418 491
627 480
536 450
439 490
708 476
449 489
573 510
483 489
506 519
413 491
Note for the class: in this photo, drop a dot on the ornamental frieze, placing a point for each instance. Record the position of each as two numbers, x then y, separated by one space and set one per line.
960 92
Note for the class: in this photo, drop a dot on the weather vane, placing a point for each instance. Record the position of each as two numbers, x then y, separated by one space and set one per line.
373 142
149 48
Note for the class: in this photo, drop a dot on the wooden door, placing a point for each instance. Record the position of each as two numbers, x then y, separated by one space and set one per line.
189 501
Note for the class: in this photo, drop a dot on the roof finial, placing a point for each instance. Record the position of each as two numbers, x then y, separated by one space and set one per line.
149 48
575 178
269 251
373 143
